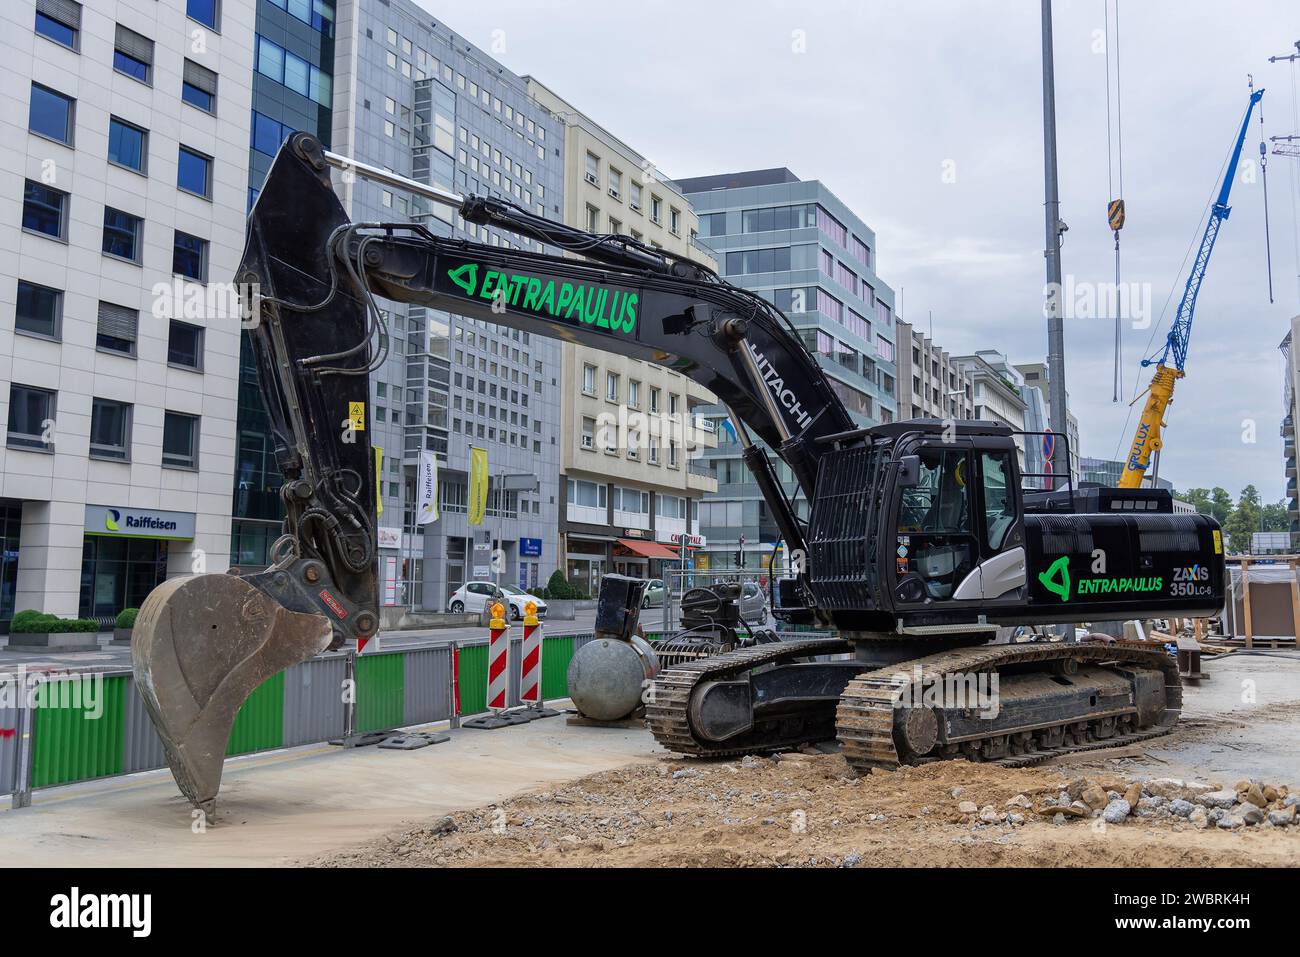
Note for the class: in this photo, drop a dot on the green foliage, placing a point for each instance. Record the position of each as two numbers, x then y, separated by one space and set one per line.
38 622
126 617
558 587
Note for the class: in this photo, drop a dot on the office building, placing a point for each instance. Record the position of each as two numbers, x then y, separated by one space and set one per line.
798 245
125 172
931 385
629 492
998 392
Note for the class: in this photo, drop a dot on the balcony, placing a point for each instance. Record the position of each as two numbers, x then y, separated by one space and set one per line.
1290 467
1288 427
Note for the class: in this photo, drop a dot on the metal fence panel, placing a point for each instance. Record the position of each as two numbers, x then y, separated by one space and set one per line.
426 685
557 652
9 706
313 701
76 737
516 655
142 749
473 678
259 726
379 692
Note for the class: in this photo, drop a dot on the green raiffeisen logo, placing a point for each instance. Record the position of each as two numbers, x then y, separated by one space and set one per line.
1057 580
600 306
111 517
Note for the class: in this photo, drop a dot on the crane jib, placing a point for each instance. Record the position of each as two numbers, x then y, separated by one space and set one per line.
548 297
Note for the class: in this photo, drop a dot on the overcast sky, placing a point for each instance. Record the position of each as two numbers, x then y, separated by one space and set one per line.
885 97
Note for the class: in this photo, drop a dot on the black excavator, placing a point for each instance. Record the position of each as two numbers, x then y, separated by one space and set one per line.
919 541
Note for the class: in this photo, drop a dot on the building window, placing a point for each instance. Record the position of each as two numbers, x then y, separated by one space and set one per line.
654 400
675 221
116 329
39 310
588 380
128 145
51 114
194 173
110 430
588 432
122 234
199 87
31 418
59 20
656 208
634 196
185 345
133 55
180 441
206 12
593 219
190 256
611 386
633 393
615 183
593 169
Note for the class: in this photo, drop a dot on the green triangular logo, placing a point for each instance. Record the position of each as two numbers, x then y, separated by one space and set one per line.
465 276
1057 578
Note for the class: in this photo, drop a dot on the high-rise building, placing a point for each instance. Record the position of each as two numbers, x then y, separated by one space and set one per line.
931 384
631 481
413 96
795 243
293 83
125 174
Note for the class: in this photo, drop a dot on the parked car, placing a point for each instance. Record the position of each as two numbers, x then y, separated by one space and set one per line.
654 594
472 597
518 599
753 603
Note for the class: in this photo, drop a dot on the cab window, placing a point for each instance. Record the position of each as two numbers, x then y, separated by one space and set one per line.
940 502
999 500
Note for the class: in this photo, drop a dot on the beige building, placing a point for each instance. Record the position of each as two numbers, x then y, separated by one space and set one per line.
1290 392
998 391
631 486
931 383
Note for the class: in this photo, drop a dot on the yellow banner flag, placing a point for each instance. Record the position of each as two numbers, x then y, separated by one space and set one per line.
379 480
478 484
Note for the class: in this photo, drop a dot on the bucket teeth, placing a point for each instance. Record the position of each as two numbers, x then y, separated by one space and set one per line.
202 644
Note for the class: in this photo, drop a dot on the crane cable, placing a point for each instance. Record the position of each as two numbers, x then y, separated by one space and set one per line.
1115 206
1263 175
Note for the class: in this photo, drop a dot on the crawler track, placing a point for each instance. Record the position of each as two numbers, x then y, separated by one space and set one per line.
868 716
668 717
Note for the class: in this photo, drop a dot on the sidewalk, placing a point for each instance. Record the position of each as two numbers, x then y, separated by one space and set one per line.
284 806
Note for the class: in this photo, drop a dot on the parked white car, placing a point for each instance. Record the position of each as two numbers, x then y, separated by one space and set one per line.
473 597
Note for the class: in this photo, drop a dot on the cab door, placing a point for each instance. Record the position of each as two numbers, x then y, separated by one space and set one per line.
958 536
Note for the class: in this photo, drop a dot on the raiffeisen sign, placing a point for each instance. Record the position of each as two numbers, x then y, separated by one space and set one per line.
115 520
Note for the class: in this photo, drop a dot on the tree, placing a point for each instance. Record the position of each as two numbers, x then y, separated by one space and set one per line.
1274 517
1214 502
1244 520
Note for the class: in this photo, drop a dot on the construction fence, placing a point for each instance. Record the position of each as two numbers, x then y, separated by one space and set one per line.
86 725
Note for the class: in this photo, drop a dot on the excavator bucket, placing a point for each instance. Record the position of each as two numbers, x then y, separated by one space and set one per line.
202 644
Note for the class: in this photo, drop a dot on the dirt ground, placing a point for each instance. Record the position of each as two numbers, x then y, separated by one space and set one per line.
808 810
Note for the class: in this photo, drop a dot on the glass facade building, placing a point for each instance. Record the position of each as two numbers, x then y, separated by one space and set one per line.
795 243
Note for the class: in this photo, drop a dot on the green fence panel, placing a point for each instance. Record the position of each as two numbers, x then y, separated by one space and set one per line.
259 726
77 731
473 679
379 692
556 654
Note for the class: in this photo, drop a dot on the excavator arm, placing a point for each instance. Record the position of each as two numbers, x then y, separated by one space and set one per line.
311 282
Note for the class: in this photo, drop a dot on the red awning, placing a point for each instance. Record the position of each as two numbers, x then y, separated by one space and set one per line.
647 549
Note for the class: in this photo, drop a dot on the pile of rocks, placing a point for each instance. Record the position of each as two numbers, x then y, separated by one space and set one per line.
1249 803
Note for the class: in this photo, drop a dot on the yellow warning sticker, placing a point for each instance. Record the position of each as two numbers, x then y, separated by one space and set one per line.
357 416
1218 542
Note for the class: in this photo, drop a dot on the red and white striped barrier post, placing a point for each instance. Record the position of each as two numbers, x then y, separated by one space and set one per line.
530 665
498 678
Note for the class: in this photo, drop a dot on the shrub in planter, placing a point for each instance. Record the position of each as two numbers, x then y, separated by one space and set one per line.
40 623
126 617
